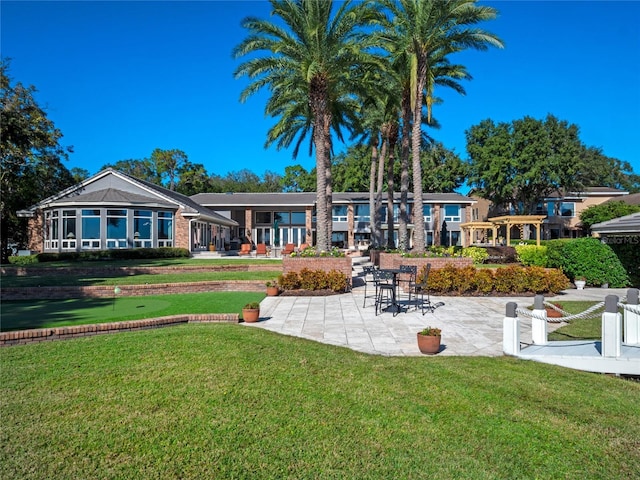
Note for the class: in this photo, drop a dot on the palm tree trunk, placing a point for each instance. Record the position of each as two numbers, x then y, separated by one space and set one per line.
416 144
381 159
393 141
372 198
403 230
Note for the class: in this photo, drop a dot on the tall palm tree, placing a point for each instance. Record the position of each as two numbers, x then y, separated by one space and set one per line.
431 30
313 64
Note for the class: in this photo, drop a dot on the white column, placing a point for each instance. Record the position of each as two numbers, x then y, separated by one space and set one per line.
539 325
611 328
632 319
511 331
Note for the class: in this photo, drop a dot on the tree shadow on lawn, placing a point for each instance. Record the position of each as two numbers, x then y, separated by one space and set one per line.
23 315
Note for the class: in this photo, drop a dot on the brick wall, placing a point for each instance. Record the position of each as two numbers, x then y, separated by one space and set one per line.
326 264
182 231
35 231
21 337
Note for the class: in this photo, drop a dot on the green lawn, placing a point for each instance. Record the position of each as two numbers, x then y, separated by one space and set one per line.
580 329
228 401
164 262
25 314
113 278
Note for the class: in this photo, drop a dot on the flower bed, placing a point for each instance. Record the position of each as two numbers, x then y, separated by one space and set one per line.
325 264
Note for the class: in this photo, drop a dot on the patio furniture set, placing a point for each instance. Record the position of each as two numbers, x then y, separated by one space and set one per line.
397 289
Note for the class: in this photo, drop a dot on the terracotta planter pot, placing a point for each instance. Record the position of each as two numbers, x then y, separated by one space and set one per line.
250 315
429 344
273 291
551 313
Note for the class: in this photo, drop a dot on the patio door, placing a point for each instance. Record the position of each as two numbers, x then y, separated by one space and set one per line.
262 235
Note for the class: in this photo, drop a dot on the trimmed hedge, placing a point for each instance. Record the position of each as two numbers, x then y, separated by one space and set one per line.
532 255
314 280
508 280
593 260
124 254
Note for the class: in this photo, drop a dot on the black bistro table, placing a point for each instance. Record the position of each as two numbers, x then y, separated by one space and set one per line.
395 306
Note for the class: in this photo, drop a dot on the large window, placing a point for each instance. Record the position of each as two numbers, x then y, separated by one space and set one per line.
452 213
51 232
116 229
426 213
165 229
283 218
562 209
339 213
90 229
142 229
361 212
298 218
68 229
263 218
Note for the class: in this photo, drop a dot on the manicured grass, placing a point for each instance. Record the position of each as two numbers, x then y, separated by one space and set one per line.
164 262
19 315
230 401
118 278
580 329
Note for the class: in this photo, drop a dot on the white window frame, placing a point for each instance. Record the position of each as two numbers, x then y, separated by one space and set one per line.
452 218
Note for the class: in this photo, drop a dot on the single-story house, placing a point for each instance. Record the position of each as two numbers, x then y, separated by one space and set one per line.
114 210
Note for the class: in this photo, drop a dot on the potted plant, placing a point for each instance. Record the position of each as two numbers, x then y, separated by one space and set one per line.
429 340
552 312
580 282
251 312
272 288
212 247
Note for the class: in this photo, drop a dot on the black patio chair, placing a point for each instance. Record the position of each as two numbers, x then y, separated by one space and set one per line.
407 277
369 280
422 289
386 291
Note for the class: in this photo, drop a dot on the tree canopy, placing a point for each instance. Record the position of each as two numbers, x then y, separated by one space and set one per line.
31 156
606 211
517 164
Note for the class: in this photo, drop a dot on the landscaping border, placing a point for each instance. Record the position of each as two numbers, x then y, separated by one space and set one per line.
23 337
106 291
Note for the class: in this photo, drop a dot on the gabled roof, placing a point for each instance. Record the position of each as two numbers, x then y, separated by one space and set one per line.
629 224
145 194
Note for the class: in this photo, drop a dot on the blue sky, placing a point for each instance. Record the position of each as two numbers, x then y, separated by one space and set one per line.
120 79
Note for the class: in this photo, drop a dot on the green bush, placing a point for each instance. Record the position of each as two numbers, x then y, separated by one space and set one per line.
23 260
124 254
532 255
314 280
554 252
479 255
593 260
629 255
508 280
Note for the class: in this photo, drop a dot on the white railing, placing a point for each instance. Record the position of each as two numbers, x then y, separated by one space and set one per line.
612 323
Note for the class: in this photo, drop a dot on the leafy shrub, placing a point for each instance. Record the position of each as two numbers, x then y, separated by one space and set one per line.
312 252
124 254
314 280
629 255
554 252
479 255
512 279
532 255
23 260
593 260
